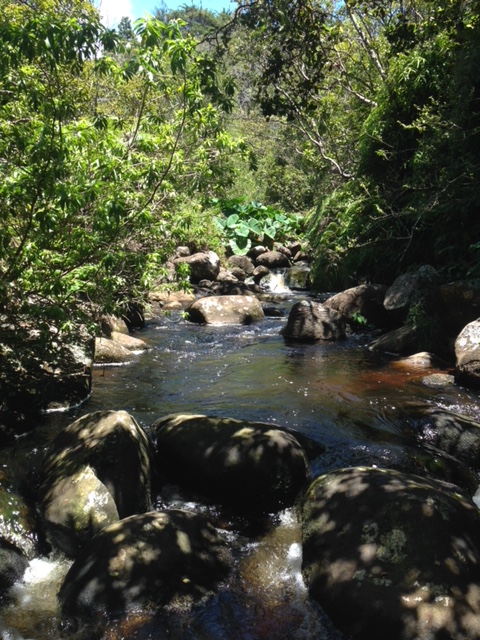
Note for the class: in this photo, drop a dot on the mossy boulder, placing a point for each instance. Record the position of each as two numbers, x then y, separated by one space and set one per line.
392 555
18 535
97 470
149 560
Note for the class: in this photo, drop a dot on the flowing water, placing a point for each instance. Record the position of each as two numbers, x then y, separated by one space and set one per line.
341 395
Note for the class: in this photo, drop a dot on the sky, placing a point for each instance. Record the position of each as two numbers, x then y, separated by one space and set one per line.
113 10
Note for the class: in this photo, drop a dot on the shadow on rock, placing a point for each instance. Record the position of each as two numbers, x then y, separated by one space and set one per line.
392 555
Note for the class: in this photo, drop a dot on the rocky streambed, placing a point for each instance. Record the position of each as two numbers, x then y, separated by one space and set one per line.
235 480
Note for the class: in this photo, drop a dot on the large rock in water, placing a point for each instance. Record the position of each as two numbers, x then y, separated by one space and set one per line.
392 555
42 368
252 466
405 340
467 353
146 561
18 535
456 434
309 321
226 310
365 300
97 470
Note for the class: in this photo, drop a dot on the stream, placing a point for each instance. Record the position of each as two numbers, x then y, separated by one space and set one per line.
341 395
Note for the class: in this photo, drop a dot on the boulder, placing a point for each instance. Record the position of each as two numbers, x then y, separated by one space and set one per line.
409 289
108 351
182 251
98 469
241 262
42 367
456 434
226 275
467 353
171 300
18 535
392 555
298 276
259 273
256 251
75 508
310 321
458 304
13 565
366 300
273 260
203 265
109 323
129 342
230 286
238 274
146 561
278 246
251 466
18 527
134 316
229 309
405 341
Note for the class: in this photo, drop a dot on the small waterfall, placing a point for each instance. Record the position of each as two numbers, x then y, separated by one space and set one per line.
34 611
274 282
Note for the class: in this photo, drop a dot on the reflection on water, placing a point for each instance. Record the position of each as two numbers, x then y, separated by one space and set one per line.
339 394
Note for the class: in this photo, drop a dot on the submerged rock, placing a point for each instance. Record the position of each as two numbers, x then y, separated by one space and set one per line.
98 469
150 561
392 555
253 466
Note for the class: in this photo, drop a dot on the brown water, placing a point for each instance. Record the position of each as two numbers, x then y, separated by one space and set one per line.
340 394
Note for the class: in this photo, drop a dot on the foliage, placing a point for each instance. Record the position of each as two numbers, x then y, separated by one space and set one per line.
102 140
86 188
413 195
248 224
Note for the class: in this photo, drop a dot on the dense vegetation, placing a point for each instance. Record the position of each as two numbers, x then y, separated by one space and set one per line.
359 118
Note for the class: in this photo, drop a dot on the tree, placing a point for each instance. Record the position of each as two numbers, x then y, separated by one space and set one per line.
125 29
100 147
378 93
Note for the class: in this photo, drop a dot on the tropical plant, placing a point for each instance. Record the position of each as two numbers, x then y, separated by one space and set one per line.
246 224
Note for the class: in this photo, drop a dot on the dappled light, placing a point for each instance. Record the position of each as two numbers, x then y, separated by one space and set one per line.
146 561
392 555
251 466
